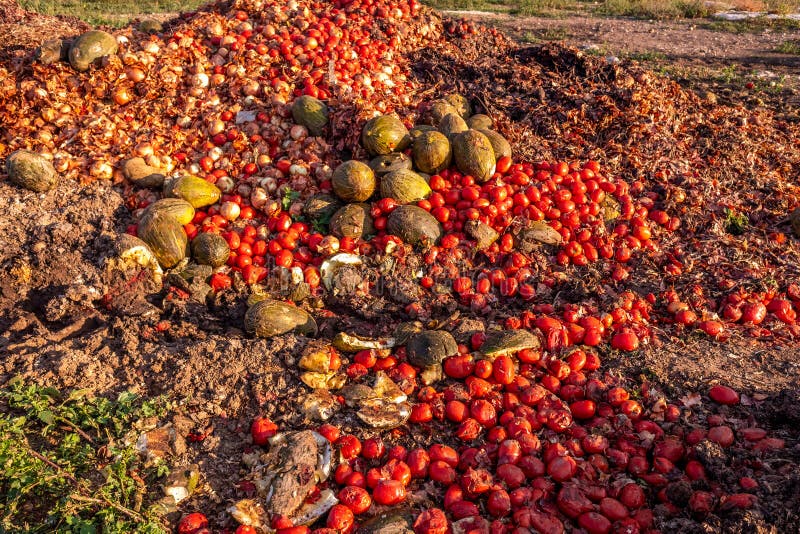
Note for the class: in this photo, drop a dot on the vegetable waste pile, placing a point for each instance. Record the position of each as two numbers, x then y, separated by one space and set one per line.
402 271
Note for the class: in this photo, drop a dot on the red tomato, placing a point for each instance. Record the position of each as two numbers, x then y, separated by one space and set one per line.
340 518
503 370
189 524
262 429
389 492
349 446
724 395
754 312
625 340
431 521
355 498
373 448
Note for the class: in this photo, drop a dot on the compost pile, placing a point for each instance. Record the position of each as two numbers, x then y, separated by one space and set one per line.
423 256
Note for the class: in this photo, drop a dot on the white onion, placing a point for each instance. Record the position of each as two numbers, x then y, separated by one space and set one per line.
298 132
200 80
150 47
230 210
258 197
269 184
298 169
216 126
143 149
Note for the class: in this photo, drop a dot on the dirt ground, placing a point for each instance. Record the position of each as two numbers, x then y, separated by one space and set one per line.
700 58
67 321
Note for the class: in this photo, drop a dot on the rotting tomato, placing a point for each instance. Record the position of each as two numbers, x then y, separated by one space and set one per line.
389 492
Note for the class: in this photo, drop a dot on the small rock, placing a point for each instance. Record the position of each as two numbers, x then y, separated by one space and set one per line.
30 170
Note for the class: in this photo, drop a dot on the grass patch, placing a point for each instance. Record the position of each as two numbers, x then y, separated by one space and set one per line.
547 34
753 25
781 7
655 9
789 47
542 8
67 467
649 55
109 12
494 6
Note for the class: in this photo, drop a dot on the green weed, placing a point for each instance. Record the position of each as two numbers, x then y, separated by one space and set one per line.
66 467
109 12
753 25
649 55
655 9
736 223
789 47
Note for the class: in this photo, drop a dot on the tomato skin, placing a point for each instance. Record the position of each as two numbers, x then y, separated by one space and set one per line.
625 340
191 523
431 521
349 446
340 517
389 492
355 498
262 429
723 395
754 312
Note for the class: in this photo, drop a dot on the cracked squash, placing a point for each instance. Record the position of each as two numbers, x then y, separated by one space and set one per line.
353 181
165 236
404 186
385 134
268 318
310 112
474 155
431 152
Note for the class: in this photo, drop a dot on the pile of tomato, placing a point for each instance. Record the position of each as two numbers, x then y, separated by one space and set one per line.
540 440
